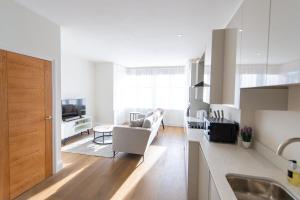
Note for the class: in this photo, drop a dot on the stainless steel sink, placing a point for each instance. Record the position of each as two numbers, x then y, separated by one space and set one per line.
249 187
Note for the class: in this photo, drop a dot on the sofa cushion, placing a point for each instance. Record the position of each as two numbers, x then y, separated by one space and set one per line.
137 123
148 122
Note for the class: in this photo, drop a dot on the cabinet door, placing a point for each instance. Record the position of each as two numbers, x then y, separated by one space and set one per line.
284 48
207 71
213 192
254 44
229 72
235 23
213 69
203 176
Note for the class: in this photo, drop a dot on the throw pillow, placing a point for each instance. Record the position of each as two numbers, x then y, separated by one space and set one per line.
137 123
148 122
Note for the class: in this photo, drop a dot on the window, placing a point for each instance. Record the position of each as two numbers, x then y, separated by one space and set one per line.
162 87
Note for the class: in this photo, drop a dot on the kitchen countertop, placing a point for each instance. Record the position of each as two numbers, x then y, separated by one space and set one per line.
192 119
223 159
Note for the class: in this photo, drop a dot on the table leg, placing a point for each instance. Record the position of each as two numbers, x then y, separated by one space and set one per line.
162 123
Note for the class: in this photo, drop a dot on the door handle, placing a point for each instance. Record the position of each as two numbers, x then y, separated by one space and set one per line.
48 117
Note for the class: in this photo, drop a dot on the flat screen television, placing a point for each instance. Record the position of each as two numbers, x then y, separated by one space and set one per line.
73 108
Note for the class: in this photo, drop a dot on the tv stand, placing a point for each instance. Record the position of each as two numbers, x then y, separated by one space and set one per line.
75 126
71 119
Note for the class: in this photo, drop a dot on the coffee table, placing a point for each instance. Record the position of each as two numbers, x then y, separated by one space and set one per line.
105 136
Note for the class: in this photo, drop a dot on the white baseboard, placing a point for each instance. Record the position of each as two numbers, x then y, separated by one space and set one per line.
58 167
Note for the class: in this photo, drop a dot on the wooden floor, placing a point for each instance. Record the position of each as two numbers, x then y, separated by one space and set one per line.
160 176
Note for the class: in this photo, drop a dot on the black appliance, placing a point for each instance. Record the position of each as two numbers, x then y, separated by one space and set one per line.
73 109
221 130
196 125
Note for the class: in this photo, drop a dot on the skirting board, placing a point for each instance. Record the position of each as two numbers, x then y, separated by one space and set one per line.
58 167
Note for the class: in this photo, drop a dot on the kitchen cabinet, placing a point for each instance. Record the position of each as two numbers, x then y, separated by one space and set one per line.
220 75
254 43
192 169
203 176
231 85
229 68
284 44
213 68
200 183
213 192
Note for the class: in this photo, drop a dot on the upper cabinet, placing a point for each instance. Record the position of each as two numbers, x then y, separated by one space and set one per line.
220 67
254 43
270 50
232 60
259 47
207 71
213 68
284 43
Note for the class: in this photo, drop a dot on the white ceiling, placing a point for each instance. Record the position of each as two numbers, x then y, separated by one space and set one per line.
136 32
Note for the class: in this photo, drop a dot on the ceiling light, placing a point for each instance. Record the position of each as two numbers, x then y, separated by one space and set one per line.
180 35
240 30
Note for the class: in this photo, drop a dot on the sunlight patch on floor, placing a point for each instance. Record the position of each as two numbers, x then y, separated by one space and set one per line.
47 192
151 157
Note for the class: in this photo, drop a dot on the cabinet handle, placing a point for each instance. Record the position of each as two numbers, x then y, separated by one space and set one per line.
48 117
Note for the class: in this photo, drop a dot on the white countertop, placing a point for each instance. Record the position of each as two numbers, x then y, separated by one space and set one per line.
223 159
192 119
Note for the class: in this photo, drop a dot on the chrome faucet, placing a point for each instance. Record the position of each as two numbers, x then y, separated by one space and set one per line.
282 146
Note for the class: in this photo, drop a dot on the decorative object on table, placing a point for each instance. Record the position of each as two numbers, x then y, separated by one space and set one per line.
247 135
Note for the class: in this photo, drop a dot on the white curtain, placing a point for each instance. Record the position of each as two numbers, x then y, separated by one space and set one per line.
119 94
156 87
143 89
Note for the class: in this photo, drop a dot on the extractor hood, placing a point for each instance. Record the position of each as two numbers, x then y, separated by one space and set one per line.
199 73
200 84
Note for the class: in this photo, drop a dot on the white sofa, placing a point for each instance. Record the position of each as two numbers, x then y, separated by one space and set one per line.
134 140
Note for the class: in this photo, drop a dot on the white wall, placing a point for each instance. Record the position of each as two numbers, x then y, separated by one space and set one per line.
274 127
27 33
78 80
104 93
174 118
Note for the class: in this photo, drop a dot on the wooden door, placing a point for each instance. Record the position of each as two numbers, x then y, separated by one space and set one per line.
4 167
29 105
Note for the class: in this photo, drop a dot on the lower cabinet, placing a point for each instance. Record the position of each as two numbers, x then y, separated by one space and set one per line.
201 185
213 192
203 177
